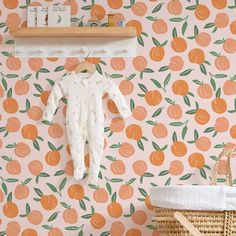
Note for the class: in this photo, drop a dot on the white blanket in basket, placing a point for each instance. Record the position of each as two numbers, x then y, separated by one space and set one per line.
192 197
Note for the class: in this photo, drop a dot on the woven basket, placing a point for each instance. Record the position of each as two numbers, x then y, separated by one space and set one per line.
172 222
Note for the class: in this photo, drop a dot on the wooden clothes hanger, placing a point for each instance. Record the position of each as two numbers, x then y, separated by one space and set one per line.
85 67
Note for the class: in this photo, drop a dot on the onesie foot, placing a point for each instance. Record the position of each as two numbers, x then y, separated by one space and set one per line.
92 178
79 174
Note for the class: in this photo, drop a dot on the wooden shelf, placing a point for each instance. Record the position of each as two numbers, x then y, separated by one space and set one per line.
26 32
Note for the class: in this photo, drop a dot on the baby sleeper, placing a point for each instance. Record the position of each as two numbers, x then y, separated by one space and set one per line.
84 116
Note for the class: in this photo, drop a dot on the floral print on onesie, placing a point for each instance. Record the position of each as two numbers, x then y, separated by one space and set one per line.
84 116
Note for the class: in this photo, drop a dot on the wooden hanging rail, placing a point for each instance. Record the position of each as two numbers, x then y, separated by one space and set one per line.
26 32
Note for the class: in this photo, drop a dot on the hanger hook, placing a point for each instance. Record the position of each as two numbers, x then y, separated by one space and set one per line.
88 54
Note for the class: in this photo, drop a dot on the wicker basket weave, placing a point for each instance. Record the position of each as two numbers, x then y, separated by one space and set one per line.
207 223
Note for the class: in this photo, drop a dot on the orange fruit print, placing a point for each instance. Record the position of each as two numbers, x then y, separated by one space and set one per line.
178 44
48 202
203 39
181 91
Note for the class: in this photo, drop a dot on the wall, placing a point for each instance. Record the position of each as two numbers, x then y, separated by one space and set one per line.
181 88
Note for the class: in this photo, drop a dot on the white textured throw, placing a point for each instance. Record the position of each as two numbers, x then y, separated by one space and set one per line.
191 197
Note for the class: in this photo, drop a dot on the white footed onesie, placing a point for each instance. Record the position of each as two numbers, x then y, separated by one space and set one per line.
84 116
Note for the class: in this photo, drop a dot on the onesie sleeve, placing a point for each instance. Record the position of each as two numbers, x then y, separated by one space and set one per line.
114 93
55 95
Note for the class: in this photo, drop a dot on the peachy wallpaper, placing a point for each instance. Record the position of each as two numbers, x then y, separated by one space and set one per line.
181 88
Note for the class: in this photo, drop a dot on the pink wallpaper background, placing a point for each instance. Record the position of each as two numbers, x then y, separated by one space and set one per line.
181 88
